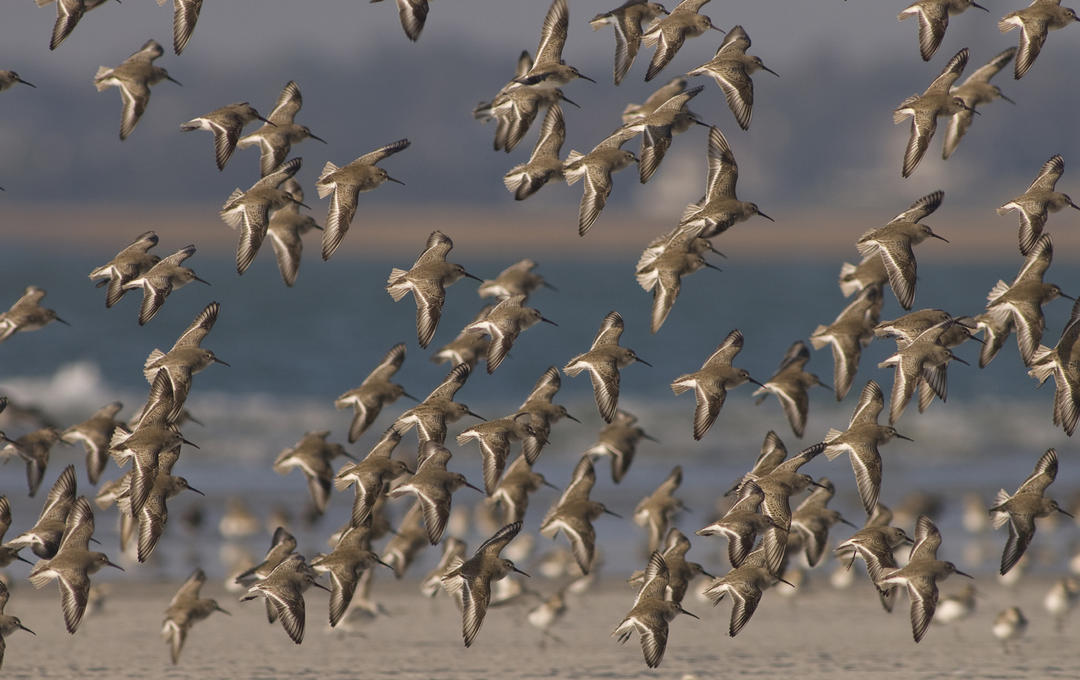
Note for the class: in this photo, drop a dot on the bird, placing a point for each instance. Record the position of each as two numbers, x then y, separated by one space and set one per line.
861 441
433 487
1034 22
933 18
475 575
9 552
596 168
875 543
1061 599
495 437
548 68
975 90
1058 362
515 107
186 609
226 123
8 624
95 433
574 512
745 585
742 523
515 486
349 559
8 79
957 606
413 14
772 453
603 361
72 564
186 358
658 127
719 209
453 556
1021 509
848 334
671 88
670 32
68 15
45 536
922 360
33 448
409 539
1008 624
712 381
467 348
282 544
249 211
371 475
131 262
284 590
626 19
790 384
517 279
651 613
869 272
276 137
153 515
134 76
345 184
1040 199
893 243
663 265
161 280
185 16
924 110
27 314
312 455
657 510
437 409
680 570
731 68
782 482
375 392
285 229
427 280
544 164
503 324
811 520
619 439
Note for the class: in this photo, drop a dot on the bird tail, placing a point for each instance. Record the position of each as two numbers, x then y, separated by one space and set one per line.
395 285
103 72
848 285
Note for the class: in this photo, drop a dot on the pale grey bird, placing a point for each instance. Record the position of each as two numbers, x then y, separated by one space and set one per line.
284 590
544 164
133 77
186 609
427 280
161 280
413 14
869 272
574 512
933 18
975 90
408 540
1034 22
276 137
603 361
657 511
249 211
772 453
626 20
371 476
10 78
453 556
431 416
131 262
433 487
226 124
376 391
811 520
8 624
924 110
186 358
596 168
548 69
731 68
153 515
27 314
282 544
712 381
312 455
719 209
1034 205
619 439
852 330
185 16
95 433
779 485
680 570
1021 509
1010 623
349 559
651 613
875 543
503 323
285 229
791 384
669 33
517 279
345 184
515 108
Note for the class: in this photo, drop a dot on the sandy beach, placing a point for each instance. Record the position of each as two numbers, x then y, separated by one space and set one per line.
820 633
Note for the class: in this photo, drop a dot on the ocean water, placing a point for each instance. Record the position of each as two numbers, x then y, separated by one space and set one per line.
293 351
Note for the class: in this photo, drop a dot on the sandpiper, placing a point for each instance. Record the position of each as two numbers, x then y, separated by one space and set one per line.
1035 21
27 314
503 324
680 570
782 482
1057 362
494 438
626 20
437 409
249 211
44 537
185 610
772 453
284 589
427 280
634 112
596 168
619 439
668 33
226 123
712 381
453 556
1009 624
869 272
1038 201
811 520
514 110
975 90
745 585
185 16
1021 509
408 540
10 78
131 262
433 487
95 433
657 510
33 448
9 552
719 209
543 412
741 523
731 69
923 360
8 624
371 475
312 454
956 606
790 384
924 110
517 279
68 14
161 280
933 18
544 163
651 613
466 348
154 514
603 361
658 127
186 358
374 392
282 544
875 543
276 137
285 228
514 488
413 14
549 69
1061 599
574 512
346 562
663 265
134 76
345 184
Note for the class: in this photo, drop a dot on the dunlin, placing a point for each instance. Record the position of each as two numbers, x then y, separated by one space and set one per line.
371 475
782 482
503 324
276 137
466 348
658 127
10 78
44 537
956 606
633 112
651 613
712 381
790 384
312 455
9 552
514 110
1034 22
603 361
27 314
437 409
975 90
544 163
453 556
186 358
924 110
869 272
574 512
626 20
719 209
33 448
663 265
875 543
185 16
731 68
161 280
1021 509
543 412
282 544
1058 362
68 15
549 69
154 514
495 437
772 453
517 279
131 262
933 18
680 570
1038 201
1009 624
596 168
349 559
249 211
745 585
742 523
658 510
433 487
514 489
924 359
919 325
408 540
134 76
811 520
1061 599
284 589
413 14
226 124
619 439
185 610
668 33
8 624
285 228
95 433
374 392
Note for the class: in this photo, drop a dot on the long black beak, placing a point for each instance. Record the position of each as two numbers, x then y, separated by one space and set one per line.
900 436
223 611
545 284
384 564
1066 513
688 613
573 418
766 68
26 83
317 138
650 438
937 236
319 585
642 361
201 280
1005 98
765 216
552 486
549 321
713 266
174 80
110 564
473 277
62 321
785 581
396 181
975 4
475 487
956 358
1067 297
613 514
23 559
475 415
266 121
520 572
717 28
191 488
754 381
409 396
962 573
219 361
191 444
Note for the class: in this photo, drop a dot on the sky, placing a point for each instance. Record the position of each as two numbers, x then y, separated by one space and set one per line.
822 147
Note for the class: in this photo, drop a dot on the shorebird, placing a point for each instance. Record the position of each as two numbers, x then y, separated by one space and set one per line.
1038 201
371 476
893 243
345 184
1022 300
10 78
9 552
285 228
515 106
719 209
996 330
543 413
72 564
1058 362
657 510
924 109
27 314
226 123
185 16
680 570
1061 599
276 137
919 325
731 68
453 556
68 15
544 164
427 280
742 523
284 589
474 578
437 409
466 348
312 454
633 112
95 433
503 324
413 14
134 76
782 482
651 613
619 439
185 610
410 538
668 33
923 360
131 262
45 536
514 488
160 280
869 272
574 512
8 624
185 358
626 20
33 448
1021 509
603 361
875 543
665 262
1034 22
712 381
596 168
349 559
933 18
517 279
772 453
548 69
658 127
433 487
374 392
494 438
1009 624
745 585
249 211
790 384
282 544
861 441
957 606
154 514
975 90
811 520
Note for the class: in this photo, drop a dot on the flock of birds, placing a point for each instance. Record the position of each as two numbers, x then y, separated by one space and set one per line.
763 531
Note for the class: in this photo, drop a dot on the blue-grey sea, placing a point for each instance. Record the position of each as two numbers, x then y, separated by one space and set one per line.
293 351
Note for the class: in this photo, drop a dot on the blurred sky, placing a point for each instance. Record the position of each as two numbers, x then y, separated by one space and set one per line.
822 148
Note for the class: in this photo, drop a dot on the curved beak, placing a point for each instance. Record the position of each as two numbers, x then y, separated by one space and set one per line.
111 564
573 418
713 266
319 585
688 613
963 573
765 216
939 237
20 80
395 181
585 77
475 278
174 80
377 559
642 361
219 361
521 572
191 488
571 103
471 486
476 415
1066 513
317 138
766 68
975 4
786 581
956 358
900 436
191 444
